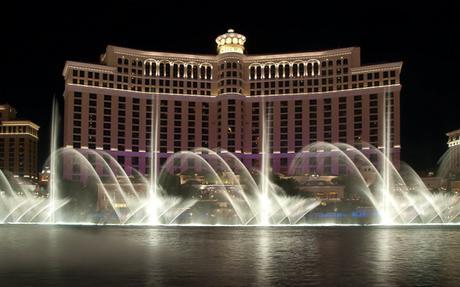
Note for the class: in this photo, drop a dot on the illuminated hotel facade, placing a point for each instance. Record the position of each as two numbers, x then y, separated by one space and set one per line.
18 144
216 101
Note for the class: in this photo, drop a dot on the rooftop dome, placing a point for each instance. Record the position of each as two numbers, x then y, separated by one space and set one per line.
230 42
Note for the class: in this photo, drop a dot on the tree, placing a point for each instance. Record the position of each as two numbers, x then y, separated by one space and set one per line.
82 196
289 185
170 184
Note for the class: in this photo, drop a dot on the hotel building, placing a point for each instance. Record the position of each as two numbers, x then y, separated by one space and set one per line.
216 101
453 143
18 144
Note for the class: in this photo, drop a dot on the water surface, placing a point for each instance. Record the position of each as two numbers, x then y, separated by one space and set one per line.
33 255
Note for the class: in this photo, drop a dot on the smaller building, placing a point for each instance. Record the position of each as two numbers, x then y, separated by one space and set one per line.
18 145
454 138
109 194
453 158
322 187
225 178
433 183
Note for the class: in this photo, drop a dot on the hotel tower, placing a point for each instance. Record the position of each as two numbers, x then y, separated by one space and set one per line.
18 145
219 102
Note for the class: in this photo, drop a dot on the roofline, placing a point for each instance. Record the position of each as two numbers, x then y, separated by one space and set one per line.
137 52
377 67
89 66
20 122
453 133
323 53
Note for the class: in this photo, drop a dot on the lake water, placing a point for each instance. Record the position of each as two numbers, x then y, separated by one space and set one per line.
32 255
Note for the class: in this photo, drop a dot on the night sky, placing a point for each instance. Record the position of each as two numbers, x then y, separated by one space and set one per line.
37 40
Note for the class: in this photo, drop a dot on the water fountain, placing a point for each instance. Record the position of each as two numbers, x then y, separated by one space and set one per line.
153 186
261 204
52 194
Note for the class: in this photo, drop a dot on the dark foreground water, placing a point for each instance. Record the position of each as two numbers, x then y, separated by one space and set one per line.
224 256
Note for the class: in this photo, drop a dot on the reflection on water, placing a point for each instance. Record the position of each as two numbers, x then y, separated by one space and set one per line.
224 256
264 262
